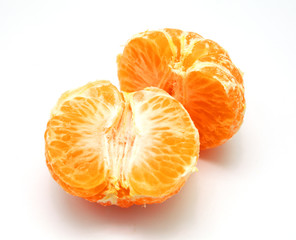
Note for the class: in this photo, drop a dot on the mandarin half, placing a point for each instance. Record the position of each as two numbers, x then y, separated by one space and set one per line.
120 148
196 71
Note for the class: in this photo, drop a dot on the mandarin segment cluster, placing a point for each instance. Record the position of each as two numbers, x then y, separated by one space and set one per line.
196 71
120 148
180 93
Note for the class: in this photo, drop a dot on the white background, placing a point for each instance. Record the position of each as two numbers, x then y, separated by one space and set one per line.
244 189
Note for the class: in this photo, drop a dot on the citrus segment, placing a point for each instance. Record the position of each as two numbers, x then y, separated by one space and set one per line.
165 140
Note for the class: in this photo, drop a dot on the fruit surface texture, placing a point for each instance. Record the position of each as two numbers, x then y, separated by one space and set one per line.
118 148
196 71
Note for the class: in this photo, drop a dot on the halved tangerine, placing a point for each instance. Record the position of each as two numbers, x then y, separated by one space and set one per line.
120 148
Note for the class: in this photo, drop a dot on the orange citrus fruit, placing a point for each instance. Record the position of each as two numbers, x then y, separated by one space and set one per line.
120 148
196 71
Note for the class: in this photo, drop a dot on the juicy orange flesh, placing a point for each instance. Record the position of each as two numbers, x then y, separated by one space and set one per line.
169 148
119 148
196 71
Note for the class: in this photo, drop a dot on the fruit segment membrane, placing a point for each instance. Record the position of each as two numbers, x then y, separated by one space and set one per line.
120 148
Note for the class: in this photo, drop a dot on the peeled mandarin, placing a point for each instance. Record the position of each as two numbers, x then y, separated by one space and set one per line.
196 71
120 148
